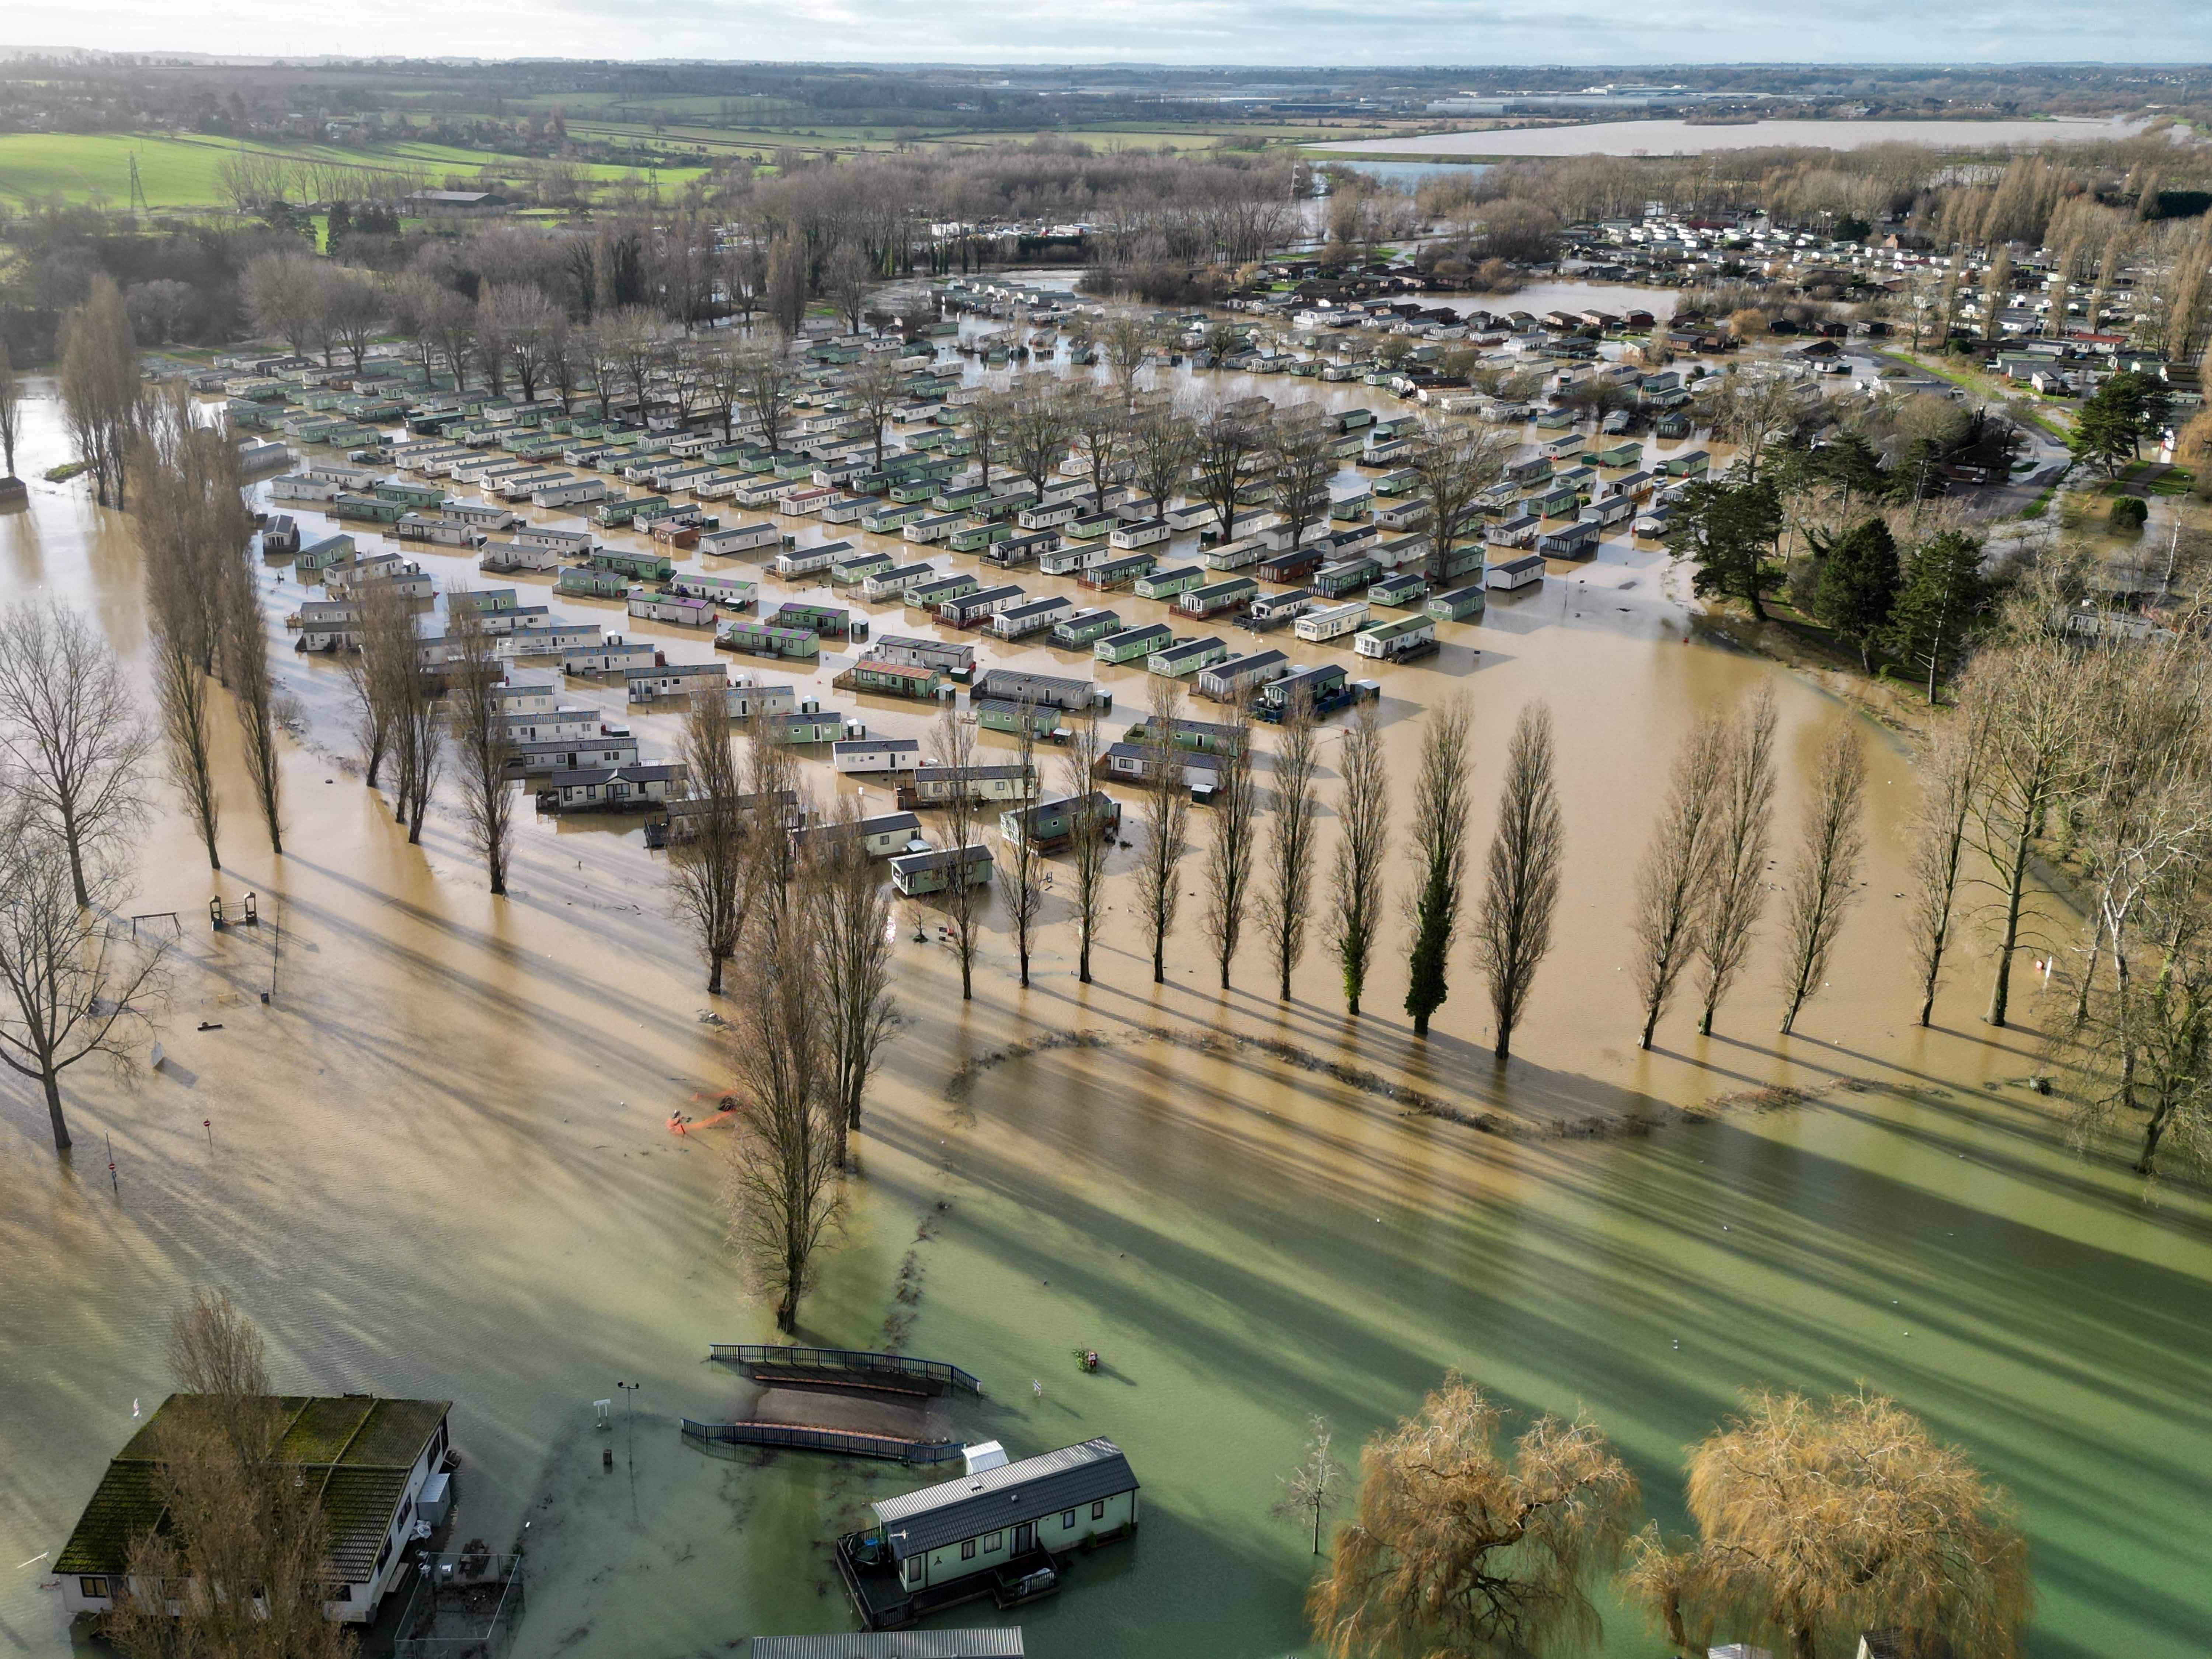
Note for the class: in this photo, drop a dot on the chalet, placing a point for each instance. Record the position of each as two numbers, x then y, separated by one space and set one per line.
1045 691
378 1465
1238 676
1050 824
861 757
916 875
673 679
615 789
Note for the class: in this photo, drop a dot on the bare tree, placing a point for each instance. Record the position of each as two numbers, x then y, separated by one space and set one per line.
1459 1548
1091 838
483 752
953 747
1167 823
1037 429
383 652
1743 832
418 734
253 691
1234 848
985 420
1125 339
1830 847
69 986
71 732
1163 444
850 927
1443 795
847 277
1312 1489
354 304
100 388
1020 865
707 869
279 290
1355 914
240 1563
1456 462
1099 423
1300 460
1229 448
1674 881
768 382
877 386
782 1192
1287 896
1514 931
11 412
1949 781
525 324
1815 1522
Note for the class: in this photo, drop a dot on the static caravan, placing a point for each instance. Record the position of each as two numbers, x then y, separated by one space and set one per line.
505 558
746 697
858 566
1218 598
1613 510
740 539
1323 686
764 639
553 726
1294 566
1329 621
1185 656
1062 558
612 656
884 835
997 714
1050 514
974 537
1523 572
1146 532
1334 581
638 567
1180 519
581 581
1401 516
1273 610
873 675
1172 583
1018 621
933 527
1082 627
1578 540
974 609
1050 824
1238 676
1121 571
943 590
606 750
554 639
730 591
1133 642
1561 448
1519 531
623 788
1397 641
892 517
830 621
1046 690
1398 587
438 533
898 582
1690 464
1352 509
1403 481
1457 603
569 492
661 681
915 875
811 723
1245 551
954 657
845 509
484 515
810 560
680 609
1019 550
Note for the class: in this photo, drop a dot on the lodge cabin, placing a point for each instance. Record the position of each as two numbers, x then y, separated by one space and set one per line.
917 875
378 1465
993 1531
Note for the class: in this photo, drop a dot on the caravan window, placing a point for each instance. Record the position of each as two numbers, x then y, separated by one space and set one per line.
1098 1510
913 1571
968 1549
992 1542
1067 1520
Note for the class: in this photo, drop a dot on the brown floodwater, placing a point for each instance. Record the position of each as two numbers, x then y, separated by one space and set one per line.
437 1163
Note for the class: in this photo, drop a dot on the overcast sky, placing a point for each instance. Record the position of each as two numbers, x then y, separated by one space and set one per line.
1302 31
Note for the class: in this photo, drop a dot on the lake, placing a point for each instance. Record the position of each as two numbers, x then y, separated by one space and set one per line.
1676 137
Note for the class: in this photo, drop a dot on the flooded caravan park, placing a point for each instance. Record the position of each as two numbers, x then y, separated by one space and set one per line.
437 1163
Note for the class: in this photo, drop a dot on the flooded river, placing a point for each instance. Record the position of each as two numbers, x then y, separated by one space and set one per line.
1680 137
436 1162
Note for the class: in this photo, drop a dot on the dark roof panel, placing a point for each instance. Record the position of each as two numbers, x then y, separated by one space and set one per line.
994 1498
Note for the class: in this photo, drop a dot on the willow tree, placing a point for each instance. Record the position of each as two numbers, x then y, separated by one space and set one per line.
1459 1547
1814 1523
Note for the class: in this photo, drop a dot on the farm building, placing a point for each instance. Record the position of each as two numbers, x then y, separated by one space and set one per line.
378 1465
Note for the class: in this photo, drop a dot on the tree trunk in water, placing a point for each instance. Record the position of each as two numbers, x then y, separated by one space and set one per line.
786 1316
1025 968
2001 991
2152 1131
1650 1024
1159 963
1503 1048
966 981
714 973
1421 1025
1083 960
61 1124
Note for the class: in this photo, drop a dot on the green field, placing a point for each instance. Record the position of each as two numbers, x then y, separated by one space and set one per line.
186 172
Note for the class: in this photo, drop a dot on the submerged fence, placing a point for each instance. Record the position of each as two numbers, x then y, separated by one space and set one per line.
888 1447
857 1363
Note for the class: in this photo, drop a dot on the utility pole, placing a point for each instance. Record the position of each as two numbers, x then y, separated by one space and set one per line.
630 1413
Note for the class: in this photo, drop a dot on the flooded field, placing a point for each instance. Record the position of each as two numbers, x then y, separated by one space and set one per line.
1677 137
436 1161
